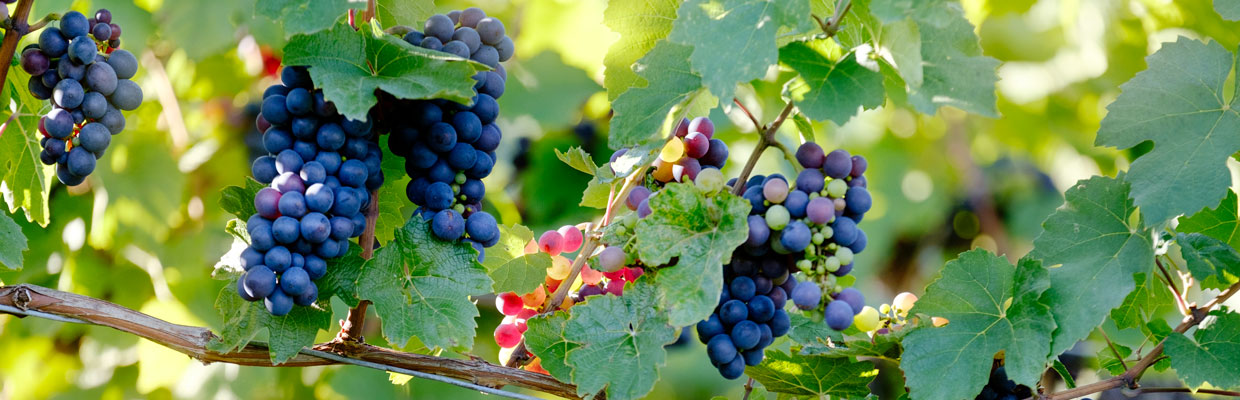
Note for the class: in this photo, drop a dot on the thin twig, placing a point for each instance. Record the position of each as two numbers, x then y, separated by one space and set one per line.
1180 302
42 22
756 125
748 389
5 126
767 138
1186 390
1114 351
790 156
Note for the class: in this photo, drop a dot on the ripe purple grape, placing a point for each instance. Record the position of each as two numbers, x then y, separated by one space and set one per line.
810 155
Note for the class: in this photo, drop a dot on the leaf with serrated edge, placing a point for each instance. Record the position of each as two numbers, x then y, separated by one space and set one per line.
1108 362
640 111
420 286
1178 104
811 333
925 12
239 201
1221 222
954 71
1212 356
1148 300
819 376
12 243
350 65
832 91
243 320
1212 262
509 266
1091 236
992 307
24 181
341 277
305 16
621 343
404 12
1228 9
545 338
640 23
578 159
733 41
701 232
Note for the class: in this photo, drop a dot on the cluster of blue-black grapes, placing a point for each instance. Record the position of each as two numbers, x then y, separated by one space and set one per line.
1001 388
449 147
77 66
810 227
321 169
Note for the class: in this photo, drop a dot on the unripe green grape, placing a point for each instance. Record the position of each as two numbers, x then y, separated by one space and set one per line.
818 238
777 217
833 264
845 255
804 265
884 309
833 247
776 245
820 270
829 281
827 232
866 320
837 187
810 251
837 289
460 208
460 178
710 180
814 195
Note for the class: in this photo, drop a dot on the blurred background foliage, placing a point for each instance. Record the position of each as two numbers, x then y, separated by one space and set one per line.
146 229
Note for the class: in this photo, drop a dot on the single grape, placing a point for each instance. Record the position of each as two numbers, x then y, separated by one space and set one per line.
777 217
716 155
859 165
838 315
761 308
507 335
490 30
448 225
572 238
733 311
838 164
703 125
509 303
742 288
810 180
733 369
551 242
858 200
759 231
682 128
611 259
696 145
672 151
709 328
482 227
710 180
260 281
845 231
806 295
796 236
810 155
720 349
853 297
745 334
295 281
904 302
560 268
820 210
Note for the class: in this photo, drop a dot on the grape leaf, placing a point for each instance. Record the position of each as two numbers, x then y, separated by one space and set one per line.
578 159
350 65
240 201
700 232
1178 103
818 376
599 189
341 277
902 44
392 195
831 90
1228 9
548 90
1212 262
954 71
1219 222
1148 300
12 243
404 12
1108 362
621 343
733 41
1062 370
640 23
1092 235
640 111
885 345
991 307
243 320
926 12
420 286
24 181
305 16
200 28
811 333
509 266
1213 355
545 338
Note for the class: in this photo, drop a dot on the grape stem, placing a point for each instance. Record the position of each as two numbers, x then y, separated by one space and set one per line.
18 27
352 326
1131 375
1175 289
768 137
748 389
42 22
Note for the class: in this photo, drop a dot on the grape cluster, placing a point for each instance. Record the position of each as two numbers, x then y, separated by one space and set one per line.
449 147
321 169
750 314
78 66
1001 388
681 159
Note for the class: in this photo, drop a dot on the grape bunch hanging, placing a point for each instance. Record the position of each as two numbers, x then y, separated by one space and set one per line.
321 169
808 227
79 67
450 147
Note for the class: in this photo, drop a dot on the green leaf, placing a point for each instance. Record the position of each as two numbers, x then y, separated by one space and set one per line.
621 343
812 333
733 41
420 286
305 16
200 28
243 320
350 65
805 127
640 111
818 376
1220 222
640 23
404 12
26 182
902 42
1178 103
1228 9
578 159
545 338
1212 262
12 243
1148 300
1099 244
1212 356
1108 362
954 71
886 345
597 192
392 195
509 266
701 233
548 90
831 90
239 201
991 307
1062 370
342 275
932 12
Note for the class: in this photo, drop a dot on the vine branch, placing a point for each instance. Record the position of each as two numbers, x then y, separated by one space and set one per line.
35 301
1131 375
351 326
18 27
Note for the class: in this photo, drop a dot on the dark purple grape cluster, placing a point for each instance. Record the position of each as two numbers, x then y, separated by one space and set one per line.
450 147
999 387
321 170
750 314
78 67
